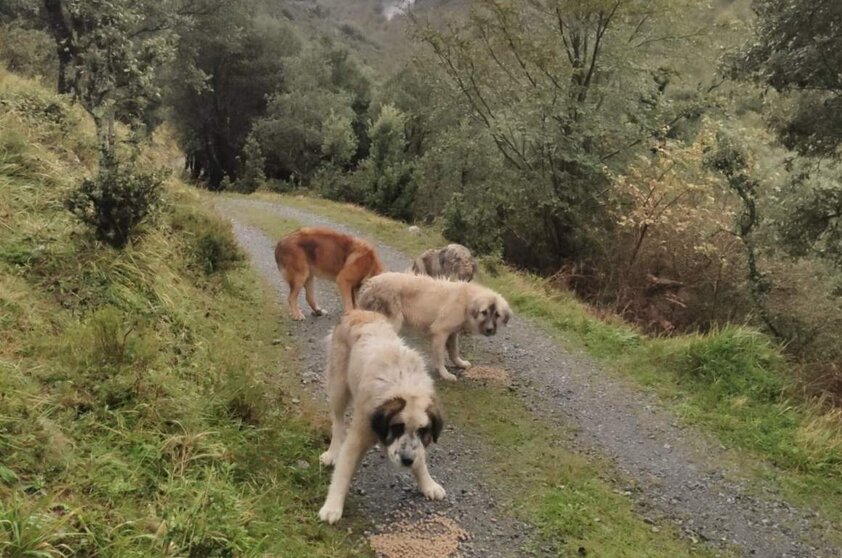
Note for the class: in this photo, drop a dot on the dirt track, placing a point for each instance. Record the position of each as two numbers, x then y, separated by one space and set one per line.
677 473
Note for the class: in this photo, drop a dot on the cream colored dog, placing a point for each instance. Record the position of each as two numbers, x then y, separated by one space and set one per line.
437 307
393 401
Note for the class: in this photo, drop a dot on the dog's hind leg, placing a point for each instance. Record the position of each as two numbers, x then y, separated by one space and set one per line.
310 295
296 280
453 351
337 391
346 287
353 448
438 346
428 487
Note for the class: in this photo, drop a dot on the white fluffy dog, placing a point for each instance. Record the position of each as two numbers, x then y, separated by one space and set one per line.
437 307
393 401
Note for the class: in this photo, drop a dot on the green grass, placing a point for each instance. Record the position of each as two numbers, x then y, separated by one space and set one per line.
145 409
734 381
562 493
541 482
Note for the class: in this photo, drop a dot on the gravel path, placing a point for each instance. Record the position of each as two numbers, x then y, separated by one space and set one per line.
387 495
677 473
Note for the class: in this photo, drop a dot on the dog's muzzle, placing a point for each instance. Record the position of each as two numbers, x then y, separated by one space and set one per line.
407 461
489 331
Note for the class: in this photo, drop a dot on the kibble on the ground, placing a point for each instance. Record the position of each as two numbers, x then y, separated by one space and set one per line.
435 536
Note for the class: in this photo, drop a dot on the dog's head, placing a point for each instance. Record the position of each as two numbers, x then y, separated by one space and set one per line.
487 312
406 427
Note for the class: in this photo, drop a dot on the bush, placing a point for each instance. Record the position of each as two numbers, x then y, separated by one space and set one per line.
116 202
253 168
211 244
736 362
333 184
475 227
387 178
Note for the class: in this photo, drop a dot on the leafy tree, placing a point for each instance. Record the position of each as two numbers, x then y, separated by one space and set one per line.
797 51
252 174
302 129
798 48
318 118
109 53
339 143
387 177
565 91
732 161
227 65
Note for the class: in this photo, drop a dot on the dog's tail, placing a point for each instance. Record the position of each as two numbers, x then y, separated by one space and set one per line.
279 252
418 267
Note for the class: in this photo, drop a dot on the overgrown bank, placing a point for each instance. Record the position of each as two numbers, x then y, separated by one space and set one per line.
144 408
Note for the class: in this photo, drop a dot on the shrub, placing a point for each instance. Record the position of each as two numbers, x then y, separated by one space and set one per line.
116 202
210 242
253 169
387 178
475 227
736 362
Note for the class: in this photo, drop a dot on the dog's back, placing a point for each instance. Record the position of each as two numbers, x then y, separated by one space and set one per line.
326 252
417 299
363 346
454 261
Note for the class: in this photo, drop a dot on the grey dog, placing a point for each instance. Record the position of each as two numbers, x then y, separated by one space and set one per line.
454 261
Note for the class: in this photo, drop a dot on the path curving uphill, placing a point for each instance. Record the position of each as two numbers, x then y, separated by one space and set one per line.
677 472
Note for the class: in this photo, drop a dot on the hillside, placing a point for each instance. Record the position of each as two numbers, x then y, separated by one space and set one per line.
375 30
144 408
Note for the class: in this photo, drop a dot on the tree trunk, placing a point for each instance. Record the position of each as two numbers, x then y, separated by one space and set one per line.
64 42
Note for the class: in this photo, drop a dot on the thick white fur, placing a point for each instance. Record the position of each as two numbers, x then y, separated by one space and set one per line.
438 308
370 365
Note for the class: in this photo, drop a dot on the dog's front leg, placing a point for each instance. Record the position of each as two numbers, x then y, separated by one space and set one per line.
353 448
428 487
439 341
453 351
339 397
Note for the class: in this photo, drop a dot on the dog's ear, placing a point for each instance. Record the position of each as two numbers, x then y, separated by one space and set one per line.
475 307
436 423
507 315
382 417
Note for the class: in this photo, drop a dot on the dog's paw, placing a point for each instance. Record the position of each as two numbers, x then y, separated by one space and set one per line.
319 312
433 491
327 459
297 316
445 375
330 514
462 363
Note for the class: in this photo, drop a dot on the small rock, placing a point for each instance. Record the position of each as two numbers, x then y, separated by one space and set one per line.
277 341
296 401
414 229
301 464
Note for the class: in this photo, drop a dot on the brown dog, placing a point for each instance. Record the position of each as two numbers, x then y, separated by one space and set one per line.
328 254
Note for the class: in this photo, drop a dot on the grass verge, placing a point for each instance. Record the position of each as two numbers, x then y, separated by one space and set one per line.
575 510
144 406
734 381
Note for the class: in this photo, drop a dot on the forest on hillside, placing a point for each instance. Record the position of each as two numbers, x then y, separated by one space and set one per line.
672 161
